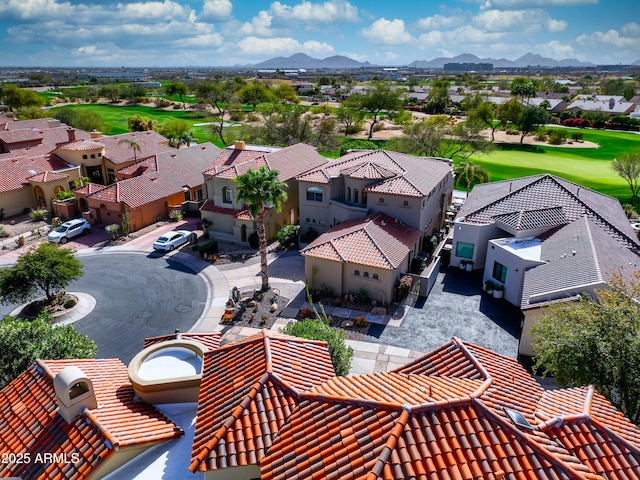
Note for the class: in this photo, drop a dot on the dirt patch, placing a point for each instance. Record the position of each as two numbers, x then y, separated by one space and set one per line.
61 303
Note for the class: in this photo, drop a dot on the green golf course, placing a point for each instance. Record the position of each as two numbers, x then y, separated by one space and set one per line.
590 167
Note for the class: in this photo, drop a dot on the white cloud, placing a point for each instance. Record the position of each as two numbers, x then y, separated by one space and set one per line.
32 9
315 48
387 32
150 11
432 38
208 40
257 47
535 3
610 38
259 25
556 49
631 29
556 25
216 9
516 20
469 34
327 12
442 21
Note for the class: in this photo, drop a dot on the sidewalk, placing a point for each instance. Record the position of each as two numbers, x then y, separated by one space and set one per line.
286 273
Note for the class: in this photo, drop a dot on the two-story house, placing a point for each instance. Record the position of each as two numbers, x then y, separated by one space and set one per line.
226 215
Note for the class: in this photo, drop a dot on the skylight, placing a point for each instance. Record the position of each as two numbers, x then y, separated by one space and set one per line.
518 418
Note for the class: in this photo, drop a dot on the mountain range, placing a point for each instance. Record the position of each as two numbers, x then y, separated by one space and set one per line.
301 60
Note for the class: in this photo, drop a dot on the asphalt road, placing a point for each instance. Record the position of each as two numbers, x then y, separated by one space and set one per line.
137 296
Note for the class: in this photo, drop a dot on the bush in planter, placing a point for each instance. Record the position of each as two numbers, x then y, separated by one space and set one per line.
498 291
38 215
64 194
489 286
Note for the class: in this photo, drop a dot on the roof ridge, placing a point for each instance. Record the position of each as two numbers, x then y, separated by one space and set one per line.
531 441
231 419
558 420
383 458
382 252
594 251
629 445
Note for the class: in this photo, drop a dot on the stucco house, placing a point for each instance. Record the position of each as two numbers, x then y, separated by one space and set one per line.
544 239
226 214
149 189
369 253
413 190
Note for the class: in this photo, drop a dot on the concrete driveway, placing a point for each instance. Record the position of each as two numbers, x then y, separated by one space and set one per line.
457 307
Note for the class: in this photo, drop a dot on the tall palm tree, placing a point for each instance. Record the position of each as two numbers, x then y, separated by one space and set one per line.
135 146
469 173
261 190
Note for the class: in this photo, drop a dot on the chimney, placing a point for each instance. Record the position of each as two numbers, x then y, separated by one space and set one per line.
95 134
72 134
74 392
239 145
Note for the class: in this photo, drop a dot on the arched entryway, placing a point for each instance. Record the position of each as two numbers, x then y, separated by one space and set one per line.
243 233
39 194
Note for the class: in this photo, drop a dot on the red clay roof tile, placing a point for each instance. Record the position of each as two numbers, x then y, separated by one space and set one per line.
29 422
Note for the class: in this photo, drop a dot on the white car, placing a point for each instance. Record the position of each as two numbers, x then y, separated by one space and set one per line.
171 240
67 230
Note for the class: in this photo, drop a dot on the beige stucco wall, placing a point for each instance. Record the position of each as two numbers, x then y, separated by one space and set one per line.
15 201
394 206
75 157
327 272
247 472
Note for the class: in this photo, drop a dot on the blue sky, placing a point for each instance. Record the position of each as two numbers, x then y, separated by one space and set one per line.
89 33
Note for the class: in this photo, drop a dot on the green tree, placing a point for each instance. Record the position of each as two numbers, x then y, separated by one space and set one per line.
137 123
255 93
523 88
221 97
132 144
509 112
485 113
134 93
437 137
381 97
595 341
468 173
438 97
29 113
177 131
80 118
350 116
627 166
177 88
17 97
261 191
23 341
47 268
530 118
112 92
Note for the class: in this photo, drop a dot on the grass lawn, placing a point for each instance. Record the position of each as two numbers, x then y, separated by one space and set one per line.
590 167
115 118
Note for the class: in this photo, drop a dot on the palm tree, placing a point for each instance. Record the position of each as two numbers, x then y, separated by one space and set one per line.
469 173
261 190
135 146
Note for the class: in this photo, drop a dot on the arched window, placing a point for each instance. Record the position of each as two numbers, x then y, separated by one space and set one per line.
227 195
357 273
405 203
348 194
355 196
375 276
366 274
314 194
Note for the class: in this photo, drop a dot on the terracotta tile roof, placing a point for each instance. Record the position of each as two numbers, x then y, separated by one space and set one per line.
150 142
83 145
289 161
20 136
377 241
400 174
47 177
29 422
209 340
175 169
210 206
34 124
249 388
39 142
15 170
443 416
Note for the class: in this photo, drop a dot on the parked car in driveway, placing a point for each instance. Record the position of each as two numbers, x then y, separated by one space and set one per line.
171 240
67 230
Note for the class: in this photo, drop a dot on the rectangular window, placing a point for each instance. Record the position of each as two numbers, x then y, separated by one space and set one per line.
198 195
499 272
187 195
464 250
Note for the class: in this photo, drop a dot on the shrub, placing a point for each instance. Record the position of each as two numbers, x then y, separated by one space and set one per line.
557 137
2 232
20 241
162 102
208 248
254 241
175 215
64 194
362 295
317 329
577 136
361 322
70 303
113 230
38 215
629 210
305 312
287 235
226 318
